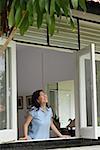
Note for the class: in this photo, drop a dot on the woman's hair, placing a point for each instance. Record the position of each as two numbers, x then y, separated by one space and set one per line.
35 97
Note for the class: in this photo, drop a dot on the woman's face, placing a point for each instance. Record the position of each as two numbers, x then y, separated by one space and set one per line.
42 99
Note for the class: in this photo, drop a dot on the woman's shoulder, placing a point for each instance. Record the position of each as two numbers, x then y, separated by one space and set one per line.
33 111
50 111
33 108
49 108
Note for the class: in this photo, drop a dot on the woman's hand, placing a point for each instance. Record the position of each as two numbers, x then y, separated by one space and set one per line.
53 127
23 138
65 136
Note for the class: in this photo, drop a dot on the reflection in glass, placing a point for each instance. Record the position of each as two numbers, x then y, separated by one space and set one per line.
88 92
8 88
2 93
5 86
98 90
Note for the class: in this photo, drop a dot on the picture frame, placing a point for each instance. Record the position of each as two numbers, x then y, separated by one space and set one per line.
29 101
20 102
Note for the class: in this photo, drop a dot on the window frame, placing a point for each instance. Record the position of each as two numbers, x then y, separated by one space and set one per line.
10 133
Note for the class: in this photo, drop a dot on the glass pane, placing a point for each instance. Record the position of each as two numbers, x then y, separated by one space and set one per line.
8 93
98 90
3 110
5 95
88 92
85 90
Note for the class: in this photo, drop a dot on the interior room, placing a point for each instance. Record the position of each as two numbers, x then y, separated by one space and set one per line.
52 70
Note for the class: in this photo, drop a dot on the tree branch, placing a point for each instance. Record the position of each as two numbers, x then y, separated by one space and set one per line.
4 46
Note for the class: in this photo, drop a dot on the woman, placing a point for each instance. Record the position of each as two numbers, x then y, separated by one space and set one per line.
40 117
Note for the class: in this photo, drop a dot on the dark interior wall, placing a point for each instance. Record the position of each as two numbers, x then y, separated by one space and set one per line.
93 7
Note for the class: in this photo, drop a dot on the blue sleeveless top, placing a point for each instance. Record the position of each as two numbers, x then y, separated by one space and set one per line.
40 124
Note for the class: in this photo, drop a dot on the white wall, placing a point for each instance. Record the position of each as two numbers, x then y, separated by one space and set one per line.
38 66
59 66
29 69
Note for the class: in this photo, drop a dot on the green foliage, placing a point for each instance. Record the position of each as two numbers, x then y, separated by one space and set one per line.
24 24
18 16
42 5
75 3
52 25
22 12
2 5
82 4
11 17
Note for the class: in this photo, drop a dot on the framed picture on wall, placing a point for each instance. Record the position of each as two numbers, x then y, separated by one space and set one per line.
29 101
20 102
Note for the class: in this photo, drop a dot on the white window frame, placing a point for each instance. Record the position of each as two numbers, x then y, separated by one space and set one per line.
7 135
85 131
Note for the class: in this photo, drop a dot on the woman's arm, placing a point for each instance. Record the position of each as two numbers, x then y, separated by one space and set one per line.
26 124
53 127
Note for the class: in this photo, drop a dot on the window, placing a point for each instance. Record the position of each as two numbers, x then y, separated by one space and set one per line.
8 119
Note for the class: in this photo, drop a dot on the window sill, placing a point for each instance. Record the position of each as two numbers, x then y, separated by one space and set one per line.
52 143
